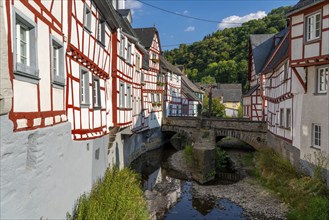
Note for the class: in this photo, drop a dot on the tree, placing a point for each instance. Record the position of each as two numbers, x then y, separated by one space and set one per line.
208 80
218 109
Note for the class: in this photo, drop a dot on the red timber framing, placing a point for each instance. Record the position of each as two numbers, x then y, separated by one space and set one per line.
310 52
126 82
88 64
36 103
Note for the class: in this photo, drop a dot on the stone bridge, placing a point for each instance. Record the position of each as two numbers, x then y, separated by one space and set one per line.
202 132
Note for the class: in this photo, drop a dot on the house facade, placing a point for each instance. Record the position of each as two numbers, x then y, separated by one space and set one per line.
172 92
192 98
309 61
253 101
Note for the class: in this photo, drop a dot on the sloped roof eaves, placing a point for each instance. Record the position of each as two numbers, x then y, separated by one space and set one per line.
108 12
303 4
280 55
164 64
251 90
188 93
190 84
261 48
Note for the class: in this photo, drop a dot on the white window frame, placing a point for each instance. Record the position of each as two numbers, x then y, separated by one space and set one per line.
84 87
288 118
87 18
322 79
57 67
129 94
25 71
311 22
316 135
122 94
122 47
101 31
281 117
96 93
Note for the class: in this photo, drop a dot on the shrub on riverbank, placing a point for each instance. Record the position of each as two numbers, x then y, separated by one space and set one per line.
188 154
117 196
307 196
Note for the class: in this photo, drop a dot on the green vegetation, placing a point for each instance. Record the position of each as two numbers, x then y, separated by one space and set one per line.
218 109
117 196
307 196
188 153
223 161
223 55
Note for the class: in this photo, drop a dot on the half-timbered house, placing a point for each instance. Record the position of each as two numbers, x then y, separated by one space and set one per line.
278 88
253 101
192 97
152 79
172 92
309 61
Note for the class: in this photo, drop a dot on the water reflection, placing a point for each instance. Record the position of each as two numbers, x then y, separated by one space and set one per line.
172 198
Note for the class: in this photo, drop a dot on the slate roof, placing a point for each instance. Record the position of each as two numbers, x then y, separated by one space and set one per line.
189 93
279 53
230 92
261 46
146 36
303 4
251 90
165 65
108 12
188 83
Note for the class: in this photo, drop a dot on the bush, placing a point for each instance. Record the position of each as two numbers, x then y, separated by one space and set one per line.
222 160
307 196
117 196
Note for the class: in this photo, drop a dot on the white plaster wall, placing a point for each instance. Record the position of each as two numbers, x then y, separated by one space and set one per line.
297 30
297 19
312 50
43 172
25 96
58 96
325 42
296 49
314 110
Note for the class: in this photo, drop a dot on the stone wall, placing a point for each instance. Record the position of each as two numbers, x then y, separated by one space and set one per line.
43 172
5 83
284 148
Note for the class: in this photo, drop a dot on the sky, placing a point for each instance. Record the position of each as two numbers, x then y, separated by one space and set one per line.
175 30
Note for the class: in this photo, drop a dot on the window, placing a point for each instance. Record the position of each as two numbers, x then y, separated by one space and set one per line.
129 53
122 47
84 87
128 105
138 62
87 19
323 80
170 76
288 118
316 134
143 77
281 117
152 97
25 48
313 26
122 95
96 93
101 31
285 70
170 109
158 97
57 62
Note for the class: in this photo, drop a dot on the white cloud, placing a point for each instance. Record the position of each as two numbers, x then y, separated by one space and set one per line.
235 21
133 5
185 12
189 29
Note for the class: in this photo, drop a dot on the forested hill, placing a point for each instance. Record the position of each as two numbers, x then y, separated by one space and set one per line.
223 55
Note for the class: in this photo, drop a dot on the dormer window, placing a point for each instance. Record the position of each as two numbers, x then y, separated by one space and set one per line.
313 26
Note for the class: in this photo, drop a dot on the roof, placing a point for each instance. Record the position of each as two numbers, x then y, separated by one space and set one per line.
280 53
146 36
230 92
189 93
303 4
251 90
165 65
261 46
108 12
189 84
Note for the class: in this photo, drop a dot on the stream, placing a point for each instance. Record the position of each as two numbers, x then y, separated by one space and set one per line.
170 197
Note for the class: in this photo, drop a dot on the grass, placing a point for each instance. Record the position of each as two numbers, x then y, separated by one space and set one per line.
188 154
117 196
307 196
